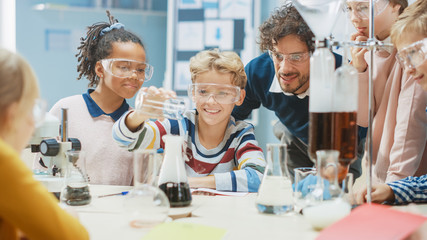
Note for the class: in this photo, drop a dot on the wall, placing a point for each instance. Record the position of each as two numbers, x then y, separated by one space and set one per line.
55 62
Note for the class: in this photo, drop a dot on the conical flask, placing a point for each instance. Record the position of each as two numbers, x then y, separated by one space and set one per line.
173 177
145 205
275 191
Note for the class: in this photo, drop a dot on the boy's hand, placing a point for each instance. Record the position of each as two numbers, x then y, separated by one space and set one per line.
357 54
380 193
149 104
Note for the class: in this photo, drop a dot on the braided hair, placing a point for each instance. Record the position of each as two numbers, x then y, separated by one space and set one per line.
97 45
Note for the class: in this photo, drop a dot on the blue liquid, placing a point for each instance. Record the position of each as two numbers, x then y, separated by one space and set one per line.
274 209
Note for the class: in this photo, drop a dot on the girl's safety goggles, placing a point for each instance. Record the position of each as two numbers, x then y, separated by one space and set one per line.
124 68
222 93
361 7
413 55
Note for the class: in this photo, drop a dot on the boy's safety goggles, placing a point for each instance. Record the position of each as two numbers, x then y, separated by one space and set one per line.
361 7
124 68
413 55
222 93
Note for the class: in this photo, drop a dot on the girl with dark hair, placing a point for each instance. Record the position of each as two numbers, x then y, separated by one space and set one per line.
114 61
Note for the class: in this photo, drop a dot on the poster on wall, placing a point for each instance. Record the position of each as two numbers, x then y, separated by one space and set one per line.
196 25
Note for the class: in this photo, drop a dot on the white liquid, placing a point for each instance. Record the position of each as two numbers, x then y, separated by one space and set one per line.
173 166
322 65
326 213
275 191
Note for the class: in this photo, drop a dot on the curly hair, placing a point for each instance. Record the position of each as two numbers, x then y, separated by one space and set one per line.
283 22
223 62
96 46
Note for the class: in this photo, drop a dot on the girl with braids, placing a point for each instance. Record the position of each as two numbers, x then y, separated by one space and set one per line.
114 61
27 209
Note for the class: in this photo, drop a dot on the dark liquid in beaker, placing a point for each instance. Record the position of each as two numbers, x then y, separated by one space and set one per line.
179 194
334 130
76 196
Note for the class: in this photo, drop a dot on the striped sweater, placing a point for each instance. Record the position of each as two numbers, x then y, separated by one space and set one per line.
237 162
410 189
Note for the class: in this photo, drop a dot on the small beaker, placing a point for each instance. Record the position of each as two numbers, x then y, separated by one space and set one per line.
76 183
304 183
146 205
275 191
159 107
328 168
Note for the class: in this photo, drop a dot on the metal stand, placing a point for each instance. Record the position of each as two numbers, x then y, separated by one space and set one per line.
372 42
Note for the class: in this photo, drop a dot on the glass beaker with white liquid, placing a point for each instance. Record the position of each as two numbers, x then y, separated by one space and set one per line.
275 191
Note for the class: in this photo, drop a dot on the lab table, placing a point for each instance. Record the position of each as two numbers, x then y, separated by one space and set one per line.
104 218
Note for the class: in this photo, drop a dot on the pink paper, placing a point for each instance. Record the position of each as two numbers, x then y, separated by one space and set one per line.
373 221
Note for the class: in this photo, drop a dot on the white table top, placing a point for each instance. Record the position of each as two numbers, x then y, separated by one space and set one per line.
104 218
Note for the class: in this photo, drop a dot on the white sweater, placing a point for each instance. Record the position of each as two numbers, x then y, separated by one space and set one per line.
106 162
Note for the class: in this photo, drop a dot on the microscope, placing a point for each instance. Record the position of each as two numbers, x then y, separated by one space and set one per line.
52 155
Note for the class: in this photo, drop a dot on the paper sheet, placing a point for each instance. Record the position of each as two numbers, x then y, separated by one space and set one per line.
184 231
208 191
373 221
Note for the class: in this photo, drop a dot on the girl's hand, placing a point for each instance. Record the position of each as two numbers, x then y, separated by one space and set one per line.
380 193
357 54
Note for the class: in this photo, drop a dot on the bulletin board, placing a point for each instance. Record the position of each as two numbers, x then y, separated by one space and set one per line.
196 25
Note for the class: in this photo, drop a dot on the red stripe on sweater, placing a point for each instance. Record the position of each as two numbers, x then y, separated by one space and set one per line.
201 167
247 148
162 133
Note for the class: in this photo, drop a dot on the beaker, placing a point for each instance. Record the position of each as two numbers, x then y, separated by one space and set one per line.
304 183
146 205
275 191
159 107
173 177
327 204
76 183
327 165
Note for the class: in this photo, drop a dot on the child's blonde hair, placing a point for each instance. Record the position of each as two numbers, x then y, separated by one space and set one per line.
223 62
412 20
18 82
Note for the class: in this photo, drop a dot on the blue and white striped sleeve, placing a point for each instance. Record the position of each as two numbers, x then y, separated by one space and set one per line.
148 136
250 169
410 189
122 135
